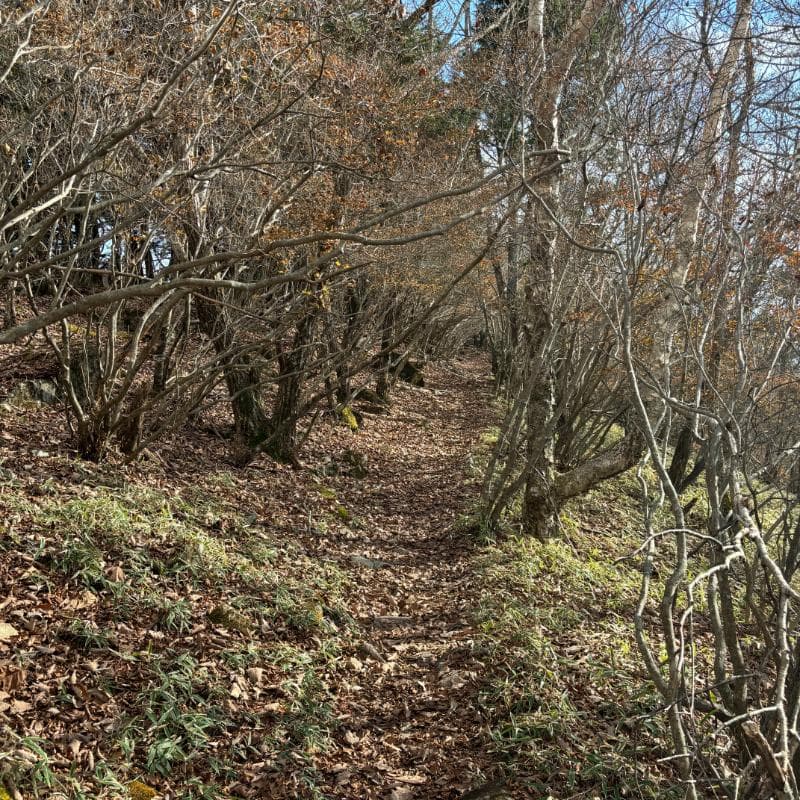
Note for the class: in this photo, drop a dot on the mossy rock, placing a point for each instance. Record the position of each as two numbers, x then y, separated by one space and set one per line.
412 373
349 417
227 617
141 791
34 392
408 371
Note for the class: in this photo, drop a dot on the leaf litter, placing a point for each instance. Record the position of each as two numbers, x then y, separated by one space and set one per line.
184 626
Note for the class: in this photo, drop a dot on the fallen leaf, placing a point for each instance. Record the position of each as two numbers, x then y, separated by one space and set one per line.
7 632
452 680
355 664
11 677
255 674
407 777
343 777
351 738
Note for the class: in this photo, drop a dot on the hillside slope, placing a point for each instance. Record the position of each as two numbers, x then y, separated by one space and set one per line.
213 631
188 628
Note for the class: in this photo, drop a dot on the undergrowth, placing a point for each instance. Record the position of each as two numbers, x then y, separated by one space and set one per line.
571 712
212 637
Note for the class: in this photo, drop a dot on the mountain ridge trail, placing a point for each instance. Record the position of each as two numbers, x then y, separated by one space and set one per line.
409 722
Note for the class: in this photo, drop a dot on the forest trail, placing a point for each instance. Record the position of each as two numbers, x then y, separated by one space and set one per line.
319 621
409 725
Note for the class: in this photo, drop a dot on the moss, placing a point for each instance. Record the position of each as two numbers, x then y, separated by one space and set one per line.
355 464
139 791
490 436
230 618
349 417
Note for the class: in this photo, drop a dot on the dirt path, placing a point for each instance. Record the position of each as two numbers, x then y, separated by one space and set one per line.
404 690
410 726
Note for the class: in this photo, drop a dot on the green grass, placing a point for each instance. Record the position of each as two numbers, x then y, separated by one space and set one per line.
180 714
159 564
566 680
174 616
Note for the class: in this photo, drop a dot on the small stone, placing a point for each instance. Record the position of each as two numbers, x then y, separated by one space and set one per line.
370 651
369 563
351 738
355 664
391 622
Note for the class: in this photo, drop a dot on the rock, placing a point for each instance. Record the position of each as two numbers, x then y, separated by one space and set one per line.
406 370
44 391
370 398
342 777
39 391
412 373
355 464
255 675
355 664
369 563
227 617
370 651
351 738
374 408
392 622
19 397
493 789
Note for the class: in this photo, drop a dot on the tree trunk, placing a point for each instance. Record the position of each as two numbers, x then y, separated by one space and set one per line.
383 383
540 508
242 377
281 443
11 306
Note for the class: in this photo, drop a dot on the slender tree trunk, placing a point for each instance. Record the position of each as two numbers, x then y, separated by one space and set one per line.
383 382
11 305
540 505
540 501
242 376
282 441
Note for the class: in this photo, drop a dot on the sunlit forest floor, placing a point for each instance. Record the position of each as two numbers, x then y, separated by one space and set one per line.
184 628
